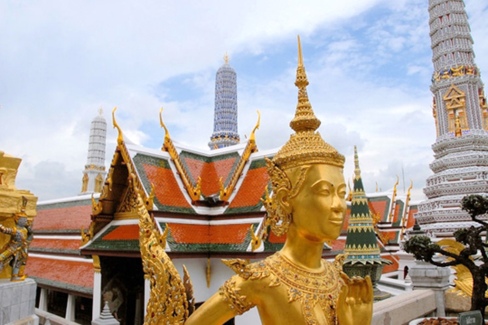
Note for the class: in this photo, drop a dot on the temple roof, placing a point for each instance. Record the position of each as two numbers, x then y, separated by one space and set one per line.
65 274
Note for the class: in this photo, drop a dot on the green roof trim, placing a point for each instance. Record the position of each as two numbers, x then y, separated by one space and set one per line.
62 285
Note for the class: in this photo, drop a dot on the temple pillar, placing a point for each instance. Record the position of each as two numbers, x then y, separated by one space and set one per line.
43 300
97 288
70 308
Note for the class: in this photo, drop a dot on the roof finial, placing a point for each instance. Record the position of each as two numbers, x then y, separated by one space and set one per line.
357 171
304 119
100 111
120 136
226 58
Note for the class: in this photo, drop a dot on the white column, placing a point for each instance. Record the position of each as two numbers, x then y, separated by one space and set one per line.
43 300
70 308
97 294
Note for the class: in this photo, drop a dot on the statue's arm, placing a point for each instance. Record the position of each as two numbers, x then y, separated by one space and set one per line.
215 311
234 298
355 305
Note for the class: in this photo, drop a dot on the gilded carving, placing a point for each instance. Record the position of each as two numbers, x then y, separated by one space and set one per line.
455 101
17 210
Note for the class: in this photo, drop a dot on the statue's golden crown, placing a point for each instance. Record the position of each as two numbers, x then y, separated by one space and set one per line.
306 146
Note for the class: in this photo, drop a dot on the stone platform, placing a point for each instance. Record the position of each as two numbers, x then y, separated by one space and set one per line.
17 302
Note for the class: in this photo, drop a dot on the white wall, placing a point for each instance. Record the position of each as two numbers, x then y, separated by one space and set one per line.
218 275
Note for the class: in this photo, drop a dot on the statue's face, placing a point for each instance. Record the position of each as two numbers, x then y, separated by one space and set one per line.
319 208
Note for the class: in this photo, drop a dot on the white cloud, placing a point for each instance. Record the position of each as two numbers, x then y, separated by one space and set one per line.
369 64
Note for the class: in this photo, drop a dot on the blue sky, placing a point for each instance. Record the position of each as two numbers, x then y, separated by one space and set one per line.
368 64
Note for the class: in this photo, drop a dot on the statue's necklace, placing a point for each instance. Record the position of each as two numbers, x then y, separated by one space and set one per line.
309 288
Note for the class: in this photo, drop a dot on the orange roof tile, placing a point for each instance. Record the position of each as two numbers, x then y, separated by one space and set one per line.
55 243
251 189
411 217
392 267
272 238
70 272
204 234
125 232
68 218
338 245
379 207
210 172
167 190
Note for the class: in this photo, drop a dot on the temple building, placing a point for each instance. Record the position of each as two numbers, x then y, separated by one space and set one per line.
460 112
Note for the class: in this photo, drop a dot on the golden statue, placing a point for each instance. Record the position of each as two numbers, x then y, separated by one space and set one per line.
294 285
15 251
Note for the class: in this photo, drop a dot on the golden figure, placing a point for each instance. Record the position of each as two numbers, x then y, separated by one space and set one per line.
295 285
15 251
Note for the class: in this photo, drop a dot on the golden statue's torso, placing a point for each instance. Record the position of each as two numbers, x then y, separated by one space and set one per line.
285 293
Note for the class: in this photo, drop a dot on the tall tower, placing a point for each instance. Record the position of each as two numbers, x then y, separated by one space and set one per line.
225 115
460 163
94 173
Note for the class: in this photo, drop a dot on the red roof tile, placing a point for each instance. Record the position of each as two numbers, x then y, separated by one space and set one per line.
69 218
411 217
379 207
61 271
392 267
55 243
210 173
338 245
251 189
272 238
167 190
125 232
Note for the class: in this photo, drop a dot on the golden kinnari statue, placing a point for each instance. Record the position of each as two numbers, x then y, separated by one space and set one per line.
295 285
17 209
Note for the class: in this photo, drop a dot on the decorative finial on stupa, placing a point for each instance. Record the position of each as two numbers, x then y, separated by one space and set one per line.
357 170
226 58
304 119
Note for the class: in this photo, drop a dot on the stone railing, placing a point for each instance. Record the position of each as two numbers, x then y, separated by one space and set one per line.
46 318
402 309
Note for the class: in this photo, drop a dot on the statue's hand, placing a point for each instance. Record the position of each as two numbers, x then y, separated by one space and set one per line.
355 305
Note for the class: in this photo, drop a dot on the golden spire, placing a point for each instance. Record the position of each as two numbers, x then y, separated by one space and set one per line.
304 119
305 146
357 171
226 58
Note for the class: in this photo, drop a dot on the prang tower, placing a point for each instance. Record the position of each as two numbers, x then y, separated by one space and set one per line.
94 173
460 163
225 115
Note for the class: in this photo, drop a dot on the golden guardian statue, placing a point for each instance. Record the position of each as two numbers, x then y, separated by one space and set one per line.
295 285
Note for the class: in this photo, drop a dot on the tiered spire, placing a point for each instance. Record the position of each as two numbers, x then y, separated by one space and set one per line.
361 244
461 118
363 254
225 115
94 173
